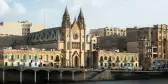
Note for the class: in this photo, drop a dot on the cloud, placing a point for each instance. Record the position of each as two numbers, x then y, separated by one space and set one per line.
19 8
4 7
13 8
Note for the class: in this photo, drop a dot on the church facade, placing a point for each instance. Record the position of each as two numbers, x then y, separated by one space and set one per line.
69 39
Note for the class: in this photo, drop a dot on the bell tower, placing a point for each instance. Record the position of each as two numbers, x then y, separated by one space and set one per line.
65 34
81 25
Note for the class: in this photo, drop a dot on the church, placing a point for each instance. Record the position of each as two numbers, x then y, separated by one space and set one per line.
69 39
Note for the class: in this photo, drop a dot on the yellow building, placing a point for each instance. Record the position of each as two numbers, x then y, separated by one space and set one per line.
115 60
26 57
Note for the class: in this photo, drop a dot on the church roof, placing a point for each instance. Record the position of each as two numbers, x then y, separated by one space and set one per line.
48 30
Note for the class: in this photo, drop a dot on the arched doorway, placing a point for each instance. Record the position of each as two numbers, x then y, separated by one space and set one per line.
76 61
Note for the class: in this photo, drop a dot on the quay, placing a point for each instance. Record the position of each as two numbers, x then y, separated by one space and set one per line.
40 74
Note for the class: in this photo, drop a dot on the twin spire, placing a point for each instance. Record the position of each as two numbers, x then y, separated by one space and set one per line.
66 19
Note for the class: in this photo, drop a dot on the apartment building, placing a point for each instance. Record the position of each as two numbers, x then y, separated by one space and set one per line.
19 28
112 31
149 42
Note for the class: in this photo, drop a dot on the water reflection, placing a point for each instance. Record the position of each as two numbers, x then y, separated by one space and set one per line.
152 81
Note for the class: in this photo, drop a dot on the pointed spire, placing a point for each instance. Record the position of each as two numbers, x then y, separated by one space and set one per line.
81 20
81 13
81 16
66 11
66 19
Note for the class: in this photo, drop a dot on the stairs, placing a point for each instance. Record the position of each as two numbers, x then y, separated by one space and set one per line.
94 75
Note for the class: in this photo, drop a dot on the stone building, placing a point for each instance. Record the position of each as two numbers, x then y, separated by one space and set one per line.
114 60
149 42
69 38
26 57
19 28
112 43
113 31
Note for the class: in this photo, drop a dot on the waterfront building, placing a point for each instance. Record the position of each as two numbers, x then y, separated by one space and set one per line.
114 60
32 58
149 42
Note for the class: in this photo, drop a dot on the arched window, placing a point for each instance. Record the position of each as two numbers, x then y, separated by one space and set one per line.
109 59
18 57
51 57
101 58
57 59
24 57
35 57
12 57
29 56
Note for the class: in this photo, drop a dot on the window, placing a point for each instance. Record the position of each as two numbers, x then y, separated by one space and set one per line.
12 64
35 58
101 64
24 64
29 64
101 58
12 57
41 57
6 56
29 56
105 64
6 64
24 57
105 58
18 56
51 57
35 64
136 64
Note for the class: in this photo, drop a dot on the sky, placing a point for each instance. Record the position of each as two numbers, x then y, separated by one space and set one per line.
98 13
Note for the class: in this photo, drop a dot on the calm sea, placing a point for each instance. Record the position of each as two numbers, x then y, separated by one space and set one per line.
152 81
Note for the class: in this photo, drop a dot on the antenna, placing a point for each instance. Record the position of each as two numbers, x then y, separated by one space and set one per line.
44 19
